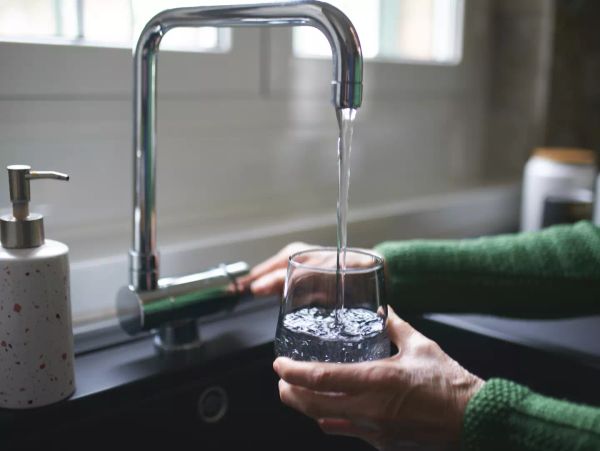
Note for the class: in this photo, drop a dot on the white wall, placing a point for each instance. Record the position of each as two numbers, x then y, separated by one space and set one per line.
244 140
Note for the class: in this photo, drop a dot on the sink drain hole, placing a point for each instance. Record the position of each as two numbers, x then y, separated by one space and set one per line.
212 404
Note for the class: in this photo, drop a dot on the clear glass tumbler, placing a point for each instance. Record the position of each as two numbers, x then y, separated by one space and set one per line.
333 316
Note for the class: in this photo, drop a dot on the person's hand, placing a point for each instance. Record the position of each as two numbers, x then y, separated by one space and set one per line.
268 277
418 395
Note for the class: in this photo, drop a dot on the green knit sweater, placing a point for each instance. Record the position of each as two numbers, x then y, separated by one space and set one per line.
547 274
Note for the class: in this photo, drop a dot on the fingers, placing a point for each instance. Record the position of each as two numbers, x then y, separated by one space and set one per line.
325 377
316 404
271 283
277 261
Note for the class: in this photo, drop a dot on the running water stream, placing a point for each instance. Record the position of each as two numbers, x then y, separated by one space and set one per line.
346 334
345 118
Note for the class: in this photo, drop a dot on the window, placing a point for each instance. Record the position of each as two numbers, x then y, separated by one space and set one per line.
102 23
186 39
34 18
417 30
412 30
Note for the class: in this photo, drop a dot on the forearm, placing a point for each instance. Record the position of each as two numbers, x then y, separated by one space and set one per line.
552 273
507 416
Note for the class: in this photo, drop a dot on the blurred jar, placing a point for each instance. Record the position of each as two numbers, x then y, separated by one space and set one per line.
558 187
597 203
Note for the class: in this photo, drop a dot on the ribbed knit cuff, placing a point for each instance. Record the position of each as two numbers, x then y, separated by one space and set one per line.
507 416
487 419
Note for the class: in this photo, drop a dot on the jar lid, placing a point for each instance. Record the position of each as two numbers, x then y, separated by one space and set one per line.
568 155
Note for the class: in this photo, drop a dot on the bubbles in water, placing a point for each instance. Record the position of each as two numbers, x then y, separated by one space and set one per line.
316 334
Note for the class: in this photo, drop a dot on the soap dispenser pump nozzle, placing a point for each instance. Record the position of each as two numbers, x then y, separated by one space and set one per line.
23 229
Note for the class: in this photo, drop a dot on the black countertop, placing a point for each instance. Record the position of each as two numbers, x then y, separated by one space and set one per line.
549 356
576 338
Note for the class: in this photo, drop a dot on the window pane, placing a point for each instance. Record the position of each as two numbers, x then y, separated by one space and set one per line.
104 22
198 39
417 30
188 39
30 18
107 22
364 14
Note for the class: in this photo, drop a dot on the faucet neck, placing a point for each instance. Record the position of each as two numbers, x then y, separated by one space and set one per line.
347 93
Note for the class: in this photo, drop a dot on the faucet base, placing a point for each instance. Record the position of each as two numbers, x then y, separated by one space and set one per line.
178 337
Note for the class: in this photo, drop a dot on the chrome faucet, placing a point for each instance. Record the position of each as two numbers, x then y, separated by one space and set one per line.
146 292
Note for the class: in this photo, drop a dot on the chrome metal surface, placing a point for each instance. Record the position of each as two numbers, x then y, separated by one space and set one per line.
23 229
47 175
346 85
18 185
177 299
178 336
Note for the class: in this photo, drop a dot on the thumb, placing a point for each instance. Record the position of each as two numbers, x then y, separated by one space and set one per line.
398 330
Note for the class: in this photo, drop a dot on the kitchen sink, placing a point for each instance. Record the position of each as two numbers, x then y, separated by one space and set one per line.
234 404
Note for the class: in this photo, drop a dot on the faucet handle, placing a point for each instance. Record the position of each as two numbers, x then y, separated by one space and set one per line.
180 298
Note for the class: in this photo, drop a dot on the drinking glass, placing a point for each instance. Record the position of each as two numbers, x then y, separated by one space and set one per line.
332 315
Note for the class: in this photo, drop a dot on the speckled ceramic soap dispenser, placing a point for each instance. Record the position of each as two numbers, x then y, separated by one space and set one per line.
36 337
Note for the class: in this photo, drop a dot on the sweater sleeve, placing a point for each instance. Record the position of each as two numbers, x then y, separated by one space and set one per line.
546 274
507 416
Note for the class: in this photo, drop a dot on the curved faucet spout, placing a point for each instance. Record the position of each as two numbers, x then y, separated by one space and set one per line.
346 84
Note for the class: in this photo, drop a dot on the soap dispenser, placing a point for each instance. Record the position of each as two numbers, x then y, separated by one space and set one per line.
36 336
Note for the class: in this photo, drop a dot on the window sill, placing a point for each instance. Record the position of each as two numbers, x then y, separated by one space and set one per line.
87 43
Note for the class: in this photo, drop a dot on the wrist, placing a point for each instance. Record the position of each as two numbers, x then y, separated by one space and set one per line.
464 396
